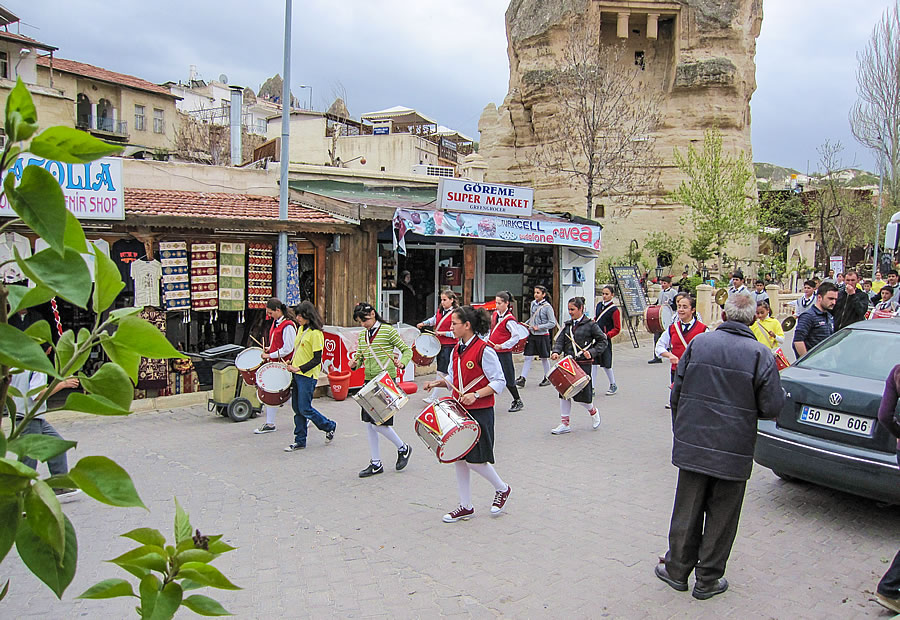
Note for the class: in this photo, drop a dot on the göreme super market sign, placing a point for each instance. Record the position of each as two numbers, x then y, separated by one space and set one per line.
93 191
473 197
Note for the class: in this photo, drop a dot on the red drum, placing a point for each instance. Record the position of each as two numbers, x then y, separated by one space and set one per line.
381 398
448 430
658 318
567 377
425 349
248 362
781 360
882 314
273 384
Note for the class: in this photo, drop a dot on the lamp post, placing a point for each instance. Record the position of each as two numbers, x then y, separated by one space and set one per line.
704 272
310 94
659 272
282 253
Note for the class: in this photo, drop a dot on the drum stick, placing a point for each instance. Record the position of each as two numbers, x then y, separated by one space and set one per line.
256 341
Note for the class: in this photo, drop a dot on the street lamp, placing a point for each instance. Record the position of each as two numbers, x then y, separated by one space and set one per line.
343 164
659 272
704 272
310 95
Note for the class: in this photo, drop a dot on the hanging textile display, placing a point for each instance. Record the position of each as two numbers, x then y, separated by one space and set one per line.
176 289
153 374
204 277
292 290
260 275
231 276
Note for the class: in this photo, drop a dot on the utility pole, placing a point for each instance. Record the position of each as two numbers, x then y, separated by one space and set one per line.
281 255
878 217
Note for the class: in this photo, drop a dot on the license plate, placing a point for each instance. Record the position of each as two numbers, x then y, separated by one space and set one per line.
838 421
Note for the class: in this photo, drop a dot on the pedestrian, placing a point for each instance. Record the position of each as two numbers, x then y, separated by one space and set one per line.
870 294
816 324
305 365
737 284
685 328
540 322
375 351
409 296
852 303
441 324
893 280
760 293
885 304
282 334
503 338
804 303
726 381
476 376
766 328
877 283
608 317
666 298
583 340
888 591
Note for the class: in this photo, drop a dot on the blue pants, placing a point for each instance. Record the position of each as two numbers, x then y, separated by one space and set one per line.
58 465
301 401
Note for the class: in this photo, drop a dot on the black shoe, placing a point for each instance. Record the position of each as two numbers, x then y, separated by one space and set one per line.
371 470
330 434
295 446
663 574
708 589
403 457
520 382
544 383
517 405
655 360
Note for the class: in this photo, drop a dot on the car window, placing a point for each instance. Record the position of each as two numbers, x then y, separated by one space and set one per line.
857 353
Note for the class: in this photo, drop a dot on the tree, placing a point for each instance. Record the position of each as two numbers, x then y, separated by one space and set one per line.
875 118
716 190
601 135
665 247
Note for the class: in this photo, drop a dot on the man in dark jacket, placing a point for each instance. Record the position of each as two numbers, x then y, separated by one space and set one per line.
852 302
725 381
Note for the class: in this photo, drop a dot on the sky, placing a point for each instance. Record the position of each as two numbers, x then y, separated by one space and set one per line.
446 59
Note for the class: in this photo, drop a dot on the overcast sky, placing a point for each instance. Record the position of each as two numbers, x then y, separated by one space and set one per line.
446 59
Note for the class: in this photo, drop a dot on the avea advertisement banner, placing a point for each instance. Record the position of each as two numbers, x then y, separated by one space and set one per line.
93 191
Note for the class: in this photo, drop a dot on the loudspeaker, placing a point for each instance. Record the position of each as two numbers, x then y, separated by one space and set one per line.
891 233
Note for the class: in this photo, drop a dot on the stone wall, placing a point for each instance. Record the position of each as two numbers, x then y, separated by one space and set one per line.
701 61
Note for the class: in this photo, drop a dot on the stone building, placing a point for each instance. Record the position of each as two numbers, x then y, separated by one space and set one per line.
699 54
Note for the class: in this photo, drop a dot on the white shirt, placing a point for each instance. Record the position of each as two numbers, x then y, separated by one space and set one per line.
146 276
26 381
288 336
734 291
804 303
8 241
664 343
490 366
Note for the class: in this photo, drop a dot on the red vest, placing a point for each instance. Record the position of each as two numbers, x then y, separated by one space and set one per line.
442 323
678 349
276 339
500 330
468 376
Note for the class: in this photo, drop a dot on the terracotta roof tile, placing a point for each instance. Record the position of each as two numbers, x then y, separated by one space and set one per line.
104 75
208 204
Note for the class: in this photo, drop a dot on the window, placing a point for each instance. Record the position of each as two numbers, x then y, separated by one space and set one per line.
4 65
639 60
159 121
139 121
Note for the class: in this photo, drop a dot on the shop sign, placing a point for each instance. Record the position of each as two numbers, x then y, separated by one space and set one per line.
464 195
93 191
488 227
837 263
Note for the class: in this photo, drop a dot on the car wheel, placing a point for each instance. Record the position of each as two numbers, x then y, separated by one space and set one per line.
784 477
240 409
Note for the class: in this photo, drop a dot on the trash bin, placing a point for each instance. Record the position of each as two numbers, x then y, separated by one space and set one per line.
340 384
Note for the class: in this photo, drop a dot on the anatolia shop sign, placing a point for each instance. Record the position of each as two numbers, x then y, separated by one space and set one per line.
463 195
93 191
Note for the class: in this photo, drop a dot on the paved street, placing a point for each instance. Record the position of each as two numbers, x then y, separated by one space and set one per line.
586 520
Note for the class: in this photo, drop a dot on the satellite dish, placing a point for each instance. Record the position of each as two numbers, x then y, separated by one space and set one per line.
223 78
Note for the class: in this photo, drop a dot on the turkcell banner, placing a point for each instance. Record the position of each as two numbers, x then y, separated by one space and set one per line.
489 227
93 191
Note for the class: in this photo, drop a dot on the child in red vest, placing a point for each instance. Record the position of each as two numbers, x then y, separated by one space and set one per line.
441 324
503 338
673 342
282 334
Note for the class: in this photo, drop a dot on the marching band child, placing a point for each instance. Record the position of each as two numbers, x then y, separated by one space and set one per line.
503 338
282 334
541 321
608 318
441 324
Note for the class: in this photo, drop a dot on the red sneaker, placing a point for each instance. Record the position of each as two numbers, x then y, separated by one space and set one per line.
460 513
500 498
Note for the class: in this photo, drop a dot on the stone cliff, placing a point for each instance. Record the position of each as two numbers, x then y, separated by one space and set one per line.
698 54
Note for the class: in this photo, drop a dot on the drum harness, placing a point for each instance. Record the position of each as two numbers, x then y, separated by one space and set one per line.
506 318
578 349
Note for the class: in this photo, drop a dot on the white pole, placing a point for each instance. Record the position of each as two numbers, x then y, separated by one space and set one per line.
281 257
878 217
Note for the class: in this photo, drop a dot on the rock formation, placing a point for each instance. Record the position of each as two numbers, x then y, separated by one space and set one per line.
699 54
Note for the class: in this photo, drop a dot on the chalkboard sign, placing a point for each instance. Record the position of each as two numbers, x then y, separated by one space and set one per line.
632 293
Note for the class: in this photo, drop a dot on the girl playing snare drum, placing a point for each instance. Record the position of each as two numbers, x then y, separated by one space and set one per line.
476 375
503 338
441 324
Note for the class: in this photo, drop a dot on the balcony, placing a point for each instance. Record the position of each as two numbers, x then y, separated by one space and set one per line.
106 127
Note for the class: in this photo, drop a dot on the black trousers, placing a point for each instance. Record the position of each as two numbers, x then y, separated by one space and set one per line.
509 373
704 524
890 583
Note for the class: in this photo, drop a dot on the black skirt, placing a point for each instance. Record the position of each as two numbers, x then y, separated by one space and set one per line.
443 358
586 395
365 417
605 358
538 345
483 452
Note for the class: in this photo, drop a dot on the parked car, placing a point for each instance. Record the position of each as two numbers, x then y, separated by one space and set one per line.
828 431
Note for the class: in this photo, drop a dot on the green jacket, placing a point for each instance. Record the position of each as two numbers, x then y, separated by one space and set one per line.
379 355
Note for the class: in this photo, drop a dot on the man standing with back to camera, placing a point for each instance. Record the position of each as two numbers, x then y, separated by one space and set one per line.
726 380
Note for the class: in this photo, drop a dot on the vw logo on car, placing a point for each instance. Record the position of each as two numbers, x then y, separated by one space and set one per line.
835 399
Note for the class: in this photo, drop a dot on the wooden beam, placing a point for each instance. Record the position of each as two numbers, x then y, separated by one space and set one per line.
469 258
250 225
334 206
320 243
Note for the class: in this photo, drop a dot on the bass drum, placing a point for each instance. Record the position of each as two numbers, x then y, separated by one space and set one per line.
658 318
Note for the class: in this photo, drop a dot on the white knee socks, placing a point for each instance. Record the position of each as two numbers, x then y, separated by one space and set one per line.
487 471
462 482
610 376
270 414
526 366
374 450
545 362
390 434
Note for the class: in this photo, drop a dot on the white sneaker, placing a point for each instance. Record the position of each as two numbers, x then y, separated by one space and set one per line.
595 417
612 389
561 429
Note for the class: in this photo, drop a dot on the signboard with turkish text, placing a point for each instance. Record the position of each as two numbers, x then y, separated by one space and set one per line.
489 227
633 298
93 191
472 197
837 263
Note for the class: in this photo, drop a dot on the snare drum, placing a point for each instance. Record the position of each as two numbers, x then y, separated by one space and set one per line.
248 362
882 314
567 377
448 430
381 398
658 318
781 360
522 331
273 384
425 349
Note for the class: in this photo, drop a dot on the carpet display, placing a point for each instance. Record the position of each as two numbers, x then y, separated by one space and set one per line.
260 275
231 276
176 287
204 277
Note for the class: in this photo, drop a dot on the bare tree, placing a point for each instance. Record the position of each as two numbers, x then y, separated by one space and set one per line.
601 135
875 118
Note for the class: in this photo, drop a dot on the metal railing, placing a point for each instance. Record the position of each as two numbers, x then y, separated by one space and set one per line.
112 126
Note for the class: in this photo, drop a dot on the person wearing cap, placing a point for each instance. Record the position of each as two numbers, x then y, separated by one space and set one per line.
666 298
737 284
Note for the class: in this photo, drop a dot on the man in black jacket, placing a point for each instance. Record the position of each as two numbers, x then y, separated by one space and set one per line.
852 303
725 381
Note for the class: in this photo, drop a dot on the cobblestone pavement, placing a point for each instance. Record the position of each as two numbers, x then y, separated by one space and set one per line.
586 520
